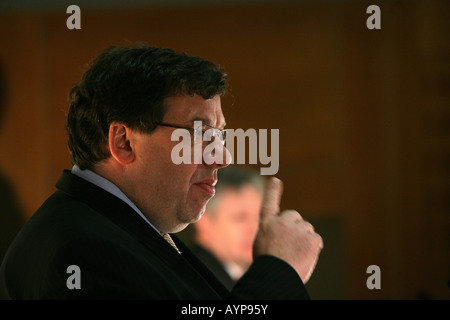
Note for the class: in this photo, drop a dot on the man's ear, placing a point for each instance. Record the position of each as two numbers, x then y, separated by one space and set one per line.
119 143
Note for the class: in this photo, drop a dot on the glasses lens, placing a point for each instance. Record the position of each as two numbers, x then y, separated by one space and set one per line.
208 135
223 136
198 135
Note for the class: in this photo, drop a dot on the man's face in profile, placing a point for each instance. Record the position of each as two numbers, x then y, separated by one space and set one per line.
171 195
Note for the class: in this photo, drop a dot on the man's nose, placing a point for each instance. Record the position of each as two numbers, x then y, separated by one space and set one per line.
226 157
216 154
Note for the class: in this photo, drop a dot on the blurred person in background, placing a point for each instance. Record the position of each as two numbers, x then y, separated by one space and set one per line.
225 234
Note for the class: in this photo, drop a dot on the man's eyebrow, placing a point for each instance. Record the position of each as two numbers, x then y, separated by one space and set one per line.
205 121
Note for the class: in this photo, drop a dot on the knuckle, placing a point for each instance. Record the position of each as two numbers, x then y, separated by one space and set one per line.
291 214
318 240
308 226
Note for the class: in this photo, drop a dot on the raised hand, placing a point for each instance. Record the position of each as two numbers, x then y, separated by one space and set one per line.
286 235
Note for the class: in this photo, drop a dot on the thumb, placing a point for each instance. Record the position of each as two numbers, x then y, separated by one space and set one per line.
272 196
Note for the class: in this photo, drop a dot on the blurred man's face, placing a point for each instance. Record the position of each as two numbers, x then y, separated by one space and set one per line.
232 227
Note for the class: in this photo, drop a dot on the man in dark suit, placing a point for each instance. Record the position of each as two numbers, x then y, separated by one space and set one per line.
107 232
224 236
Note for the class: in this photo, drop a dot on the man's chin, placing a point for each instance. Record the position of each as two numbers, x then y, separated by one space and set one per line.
192 216
179 228
199 214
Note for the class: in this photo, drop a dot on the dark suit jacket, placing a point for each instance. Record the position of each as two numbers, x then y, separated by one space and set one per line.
120 256
214 265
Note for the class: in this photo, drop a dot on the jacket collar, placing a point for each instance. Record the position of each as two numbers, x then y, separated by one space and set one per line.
125 217
117 211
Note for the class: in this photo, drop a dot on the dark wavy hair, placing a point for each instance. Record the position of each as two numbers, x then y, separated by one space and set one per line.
129 85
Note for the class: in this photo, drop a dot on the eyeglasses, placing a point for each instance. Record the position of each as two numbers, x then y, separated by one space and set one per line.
203 133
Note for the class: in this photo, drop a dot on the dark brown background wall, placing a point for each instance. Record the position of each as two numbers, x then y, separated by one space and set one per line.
363 118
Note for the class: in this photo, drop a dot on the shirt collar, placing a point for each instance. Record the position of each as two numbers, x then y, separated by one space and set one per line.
107 185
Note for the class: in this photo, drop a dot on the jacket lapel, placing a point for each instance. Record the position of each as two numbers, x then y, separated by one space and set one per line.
126 218
118 212
201 269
